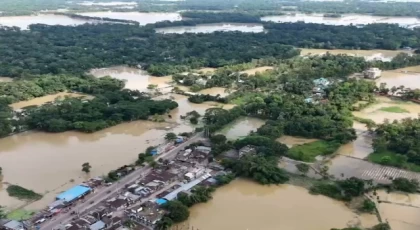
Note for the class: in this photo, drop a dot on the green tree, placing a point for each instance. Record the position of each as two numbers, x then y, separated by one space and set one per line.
368 206
170 137
2 213
303 168
177 211
405 185
218 139
164 224
86 167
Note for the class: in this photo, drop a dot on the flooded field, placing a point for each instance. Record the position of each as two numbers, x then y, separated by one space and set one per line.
49 19
361 147
247 205
135 78
369 55
408 77
45 99
142 18
6 79
398 214
376 111
291 141
210 28
241 127
258 69
347 19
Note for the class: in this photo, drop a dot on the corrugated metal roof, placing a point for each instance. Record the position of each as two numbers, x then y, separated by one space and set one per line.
73 193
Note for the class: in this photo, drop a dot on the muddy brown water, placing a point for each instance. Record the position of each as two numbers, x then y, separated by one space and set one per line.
241 127
258 69
48 98
210 28
291 141
247 205
142 18
408 77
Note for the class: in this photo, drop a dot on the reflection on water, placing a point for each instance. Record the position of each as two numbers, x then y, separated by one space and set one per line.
347 19
241 127
45 99
210 28
247 205
134 78
49 19
369 55
142 18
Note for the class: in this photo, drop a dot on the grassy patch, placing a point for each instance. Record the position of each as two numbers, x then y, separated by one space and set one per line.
394 109
20 214
390 158
22 193
307 152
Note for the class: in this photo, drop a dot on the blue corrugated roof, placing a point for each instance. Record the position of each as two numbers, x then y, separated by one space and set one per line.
161 201
73 193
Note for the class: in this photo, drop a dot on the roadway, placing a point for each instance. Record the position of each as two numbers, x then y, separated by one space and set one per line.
101 193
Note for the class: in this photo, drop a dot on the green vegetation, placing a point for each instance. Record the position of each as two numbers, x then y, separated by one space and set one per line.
340 190
198 195
86 167
20 214
303 168
394 109
307 152
397 144
170 136
405 185
381 226
368 206
393 159
2 213
22 193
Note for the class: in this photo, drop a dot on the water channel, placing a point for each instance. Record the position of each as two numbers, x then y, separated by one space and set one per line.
247 205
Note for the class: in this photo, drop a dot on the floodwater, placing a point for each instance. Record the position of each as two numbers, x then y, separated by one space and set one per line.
246 205
399 215
408 77
347 19
49 19
210 28
88 3
291 141
369 55
223 92
241 127
135 78
253 71
375 113
45 99
142 18
361 147
47 162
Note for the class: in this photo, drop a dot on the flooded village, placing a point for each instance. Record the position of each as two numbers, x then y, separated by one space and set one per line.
49 163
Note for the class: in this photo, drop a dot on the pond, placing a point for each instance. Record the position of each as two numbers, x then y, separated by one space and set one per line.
241 127
210 28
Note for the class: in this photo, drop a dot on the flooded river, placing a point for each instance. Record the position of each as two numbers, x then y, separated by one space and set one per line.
142 18
49 19
369 55
210 28
347 19
246 205
361 147
241 127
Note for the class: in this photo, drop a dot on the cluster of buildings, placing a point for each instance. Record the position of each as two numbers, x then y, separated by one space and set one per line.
318 91
372 73
141 201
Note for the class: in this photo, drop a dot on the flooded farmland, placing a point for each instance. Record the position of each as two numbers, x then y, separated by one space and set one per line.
291 141
408 77
346 19
369 55
49 19
361 147
261 69
241 127
49 98
142 18
210 28
247 205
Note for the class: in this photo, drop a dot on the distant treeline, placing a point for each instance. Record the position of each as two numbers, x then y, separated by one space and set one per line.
78 16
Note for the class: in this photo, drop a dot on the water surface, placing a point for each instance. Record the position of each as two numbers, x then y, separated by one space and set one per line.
241 127
142 18
210 28
49 19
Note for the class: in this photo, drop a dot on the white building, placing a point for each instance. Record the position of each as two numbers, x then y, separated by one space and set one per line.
372 73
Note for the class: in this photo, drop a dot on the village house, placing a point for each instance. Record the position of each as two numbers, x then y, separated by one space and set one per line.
372 73
117 203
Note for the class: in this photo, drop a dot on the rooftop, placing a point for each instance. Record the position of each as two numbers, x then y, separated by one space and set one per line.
73 193
97 226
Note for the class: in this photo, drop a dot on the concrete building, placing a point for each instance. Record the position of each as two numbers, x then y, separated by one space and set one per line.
74 193
372 73
14 225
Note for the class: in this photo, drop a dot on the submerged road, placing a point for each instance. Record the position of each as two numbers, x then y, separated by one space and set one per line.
101 194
